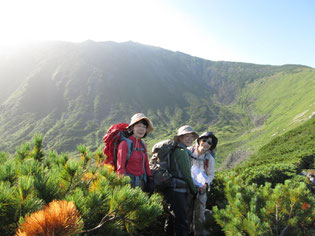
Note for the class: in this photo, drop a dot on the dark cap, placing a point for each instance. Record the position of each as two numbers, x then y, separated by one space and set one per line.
209 135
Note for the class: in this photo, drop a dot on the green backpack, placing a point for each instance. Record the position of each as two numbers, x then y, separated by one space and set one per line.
160 165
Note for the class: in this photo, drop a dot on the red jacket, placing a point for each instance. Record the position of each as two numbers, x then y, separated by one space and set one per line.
135 162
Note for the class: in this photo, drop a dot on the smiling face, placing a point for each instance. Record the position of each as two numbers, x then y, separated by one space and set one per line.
204 144
186 139
139 129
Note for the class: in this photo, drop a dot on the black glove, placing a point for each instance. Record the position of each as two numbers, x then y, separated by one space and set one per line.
150 185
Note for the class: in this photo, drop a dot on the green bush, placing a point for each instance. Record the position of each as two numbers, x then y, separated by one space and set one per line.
253 210
33 179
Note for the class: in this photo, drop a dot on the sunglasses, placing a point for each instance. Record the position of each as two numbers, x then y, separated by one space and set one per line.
207 140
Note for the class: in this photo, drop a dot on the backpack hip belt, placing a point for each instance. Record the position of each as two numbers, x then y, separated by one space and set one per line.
178 183
136 180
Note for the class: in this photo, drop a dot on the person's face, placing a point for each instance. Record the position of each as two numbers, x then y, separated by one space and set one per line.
139 130
187 139
204 144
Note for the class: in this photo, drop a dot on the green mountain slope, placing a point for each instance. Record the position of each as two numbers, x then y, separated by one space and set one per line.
73 92
274 105
283 158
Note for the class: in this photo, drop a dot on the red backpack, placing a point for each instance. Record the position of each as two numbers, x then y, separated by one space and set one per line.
114 135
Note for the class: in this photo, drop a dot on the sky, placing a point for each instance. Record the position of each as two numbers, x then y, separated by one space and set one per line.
274 32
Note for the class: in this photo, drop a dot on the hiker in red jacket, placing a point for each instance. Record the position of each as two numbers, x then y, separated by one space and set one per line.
137 166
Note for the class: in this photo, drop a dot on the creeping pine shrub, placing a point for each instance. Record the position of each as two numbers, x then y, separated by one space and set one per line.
79 195
273 173
271 211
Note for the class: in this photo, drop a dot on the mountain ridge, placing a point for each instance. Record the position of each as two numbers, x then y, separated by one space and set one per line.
72 92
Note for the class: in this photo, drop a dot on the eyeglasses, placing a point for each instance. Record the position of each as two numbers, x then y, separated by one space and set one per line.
207 140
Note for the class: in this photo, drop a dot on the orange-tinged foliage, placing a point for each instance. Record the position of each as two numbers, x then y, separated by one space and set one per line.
95 185
58 218
305 206
109 168
88 176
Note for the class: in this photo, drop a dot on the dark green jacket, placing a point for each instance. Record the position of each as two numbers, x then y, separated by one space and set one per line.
184 164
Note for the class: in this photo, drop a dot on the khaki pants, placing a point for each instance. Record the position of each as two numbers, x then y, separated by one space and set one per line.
199 214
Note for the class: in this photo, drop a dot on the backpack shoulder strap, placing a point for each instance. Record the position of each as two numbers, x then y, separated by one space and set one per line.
206 163
143 145
143 160
130 148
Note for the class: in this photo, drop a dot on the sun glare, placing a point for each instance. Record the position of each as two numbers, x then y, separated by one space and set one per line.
73 20
148 22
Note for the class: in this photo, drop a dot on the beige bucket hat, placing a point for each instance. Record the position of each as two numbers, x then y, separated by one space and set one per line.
186 129
139 116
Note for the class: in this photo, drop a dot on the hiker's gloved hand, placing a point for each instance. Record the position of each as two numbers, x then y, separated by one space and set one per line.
150 185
